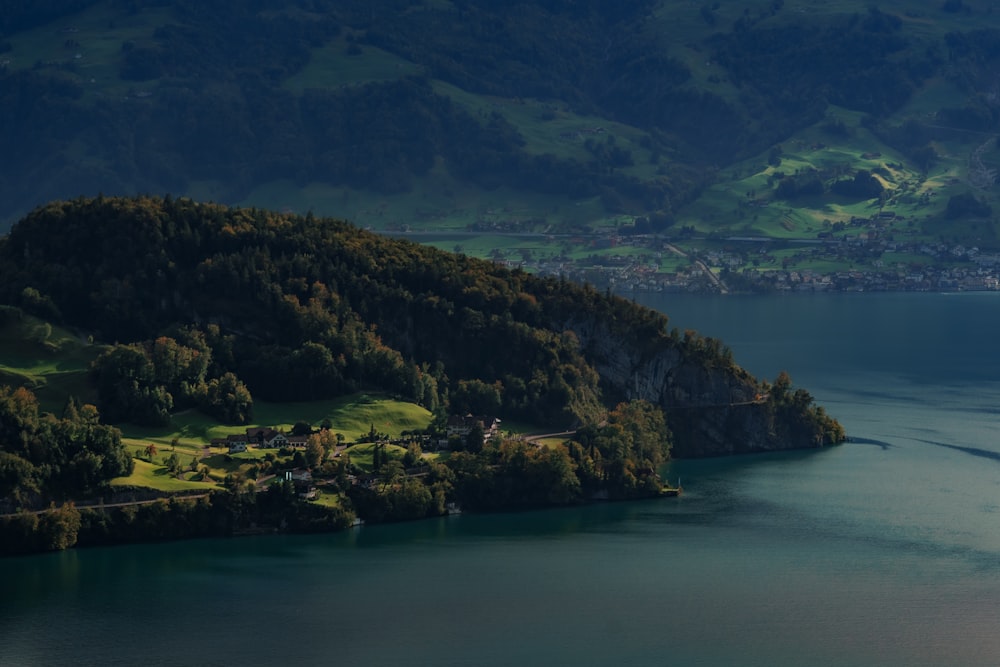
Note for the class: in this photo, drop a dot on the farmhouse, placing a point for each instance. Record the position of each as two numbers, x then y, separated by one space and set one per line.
462 426
260 437
236 443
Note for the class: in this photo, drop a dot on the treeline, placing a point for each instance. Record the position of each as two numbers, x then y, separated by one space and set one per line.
860 185
796 417
47 457
217 514
144 383
616 460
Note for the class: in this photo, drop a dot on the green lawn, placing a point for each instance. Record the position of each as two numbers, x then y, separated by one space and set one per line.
743 201
50 361
353 416
361 455
157 477
328 499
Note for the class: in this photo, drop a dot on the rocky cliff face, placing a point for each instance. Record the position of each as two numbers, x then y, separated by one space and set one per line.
713 409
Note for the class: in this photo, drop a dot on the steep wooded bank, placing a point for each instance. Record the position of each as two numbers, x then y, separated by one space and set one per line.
299 308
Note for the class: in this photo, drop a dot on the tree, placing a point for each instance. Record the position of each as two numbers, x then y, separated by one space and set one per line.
474 438
229 400
315 453
59 526
173 464
966 205
412 456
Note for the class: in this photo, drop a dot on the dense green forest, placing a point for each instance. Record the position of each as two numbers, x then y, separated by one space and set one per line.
211 305
66 457
204 307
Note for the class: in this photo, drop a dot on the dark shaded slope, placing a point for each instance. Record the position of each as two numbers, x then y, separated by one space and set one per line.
304 308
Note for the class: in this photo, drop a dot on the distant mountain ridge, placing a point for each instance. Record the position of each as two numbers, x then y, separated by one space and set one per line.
633 106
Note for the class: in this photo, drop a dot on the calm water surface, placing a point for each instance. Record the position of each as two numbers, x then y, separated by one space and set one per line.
883 551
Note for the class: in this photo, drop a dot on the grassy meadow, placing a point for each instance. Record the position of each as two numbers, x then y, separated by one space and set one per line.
189 435
47 359
53 363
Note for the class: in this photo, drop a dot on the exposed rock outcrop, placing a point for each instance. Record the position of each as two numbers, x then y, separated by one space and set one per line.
713 406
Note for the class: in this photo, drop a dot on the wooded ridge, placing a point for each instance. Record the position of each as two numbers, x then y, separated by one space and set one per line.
299 308
205 307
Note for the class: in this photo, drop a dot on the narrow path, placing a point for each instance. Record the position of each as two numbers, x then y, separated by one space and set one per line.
100 505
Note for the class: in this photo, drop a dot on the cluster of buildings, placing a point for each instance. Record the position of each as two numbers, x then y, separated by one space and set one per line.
262 438
872 261
462 426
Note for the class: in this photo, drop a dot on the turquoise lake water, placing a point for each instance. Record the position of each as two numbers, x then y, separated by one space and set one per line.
883 551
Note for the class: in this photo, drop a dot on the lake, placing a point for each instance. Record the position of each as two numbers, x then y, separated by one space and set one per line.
882 551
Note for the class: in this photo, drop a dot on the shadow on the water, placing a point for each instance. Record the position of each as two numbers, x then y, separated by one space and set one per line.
974 451
870 441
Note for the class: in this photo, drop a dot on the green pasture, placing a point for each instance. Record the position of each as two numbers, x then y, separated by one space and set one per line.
155 476
352 416
743 202
189 433
355 415
96 35
47 359
190 427
331 66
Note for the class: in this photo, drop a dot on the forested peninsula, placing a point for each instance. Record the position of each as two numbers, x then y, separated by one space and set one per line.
204 307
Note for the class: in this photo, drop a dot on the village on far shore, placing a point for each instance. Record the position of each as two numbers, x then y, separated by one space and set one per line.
871 262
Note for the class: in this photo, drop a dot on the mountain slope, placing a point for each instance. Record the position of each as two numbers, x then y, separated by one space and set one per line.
424 114
301 308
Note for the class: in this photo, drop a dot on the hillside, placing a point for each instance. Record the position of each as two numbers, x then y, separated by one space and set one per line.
690 120
210 306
